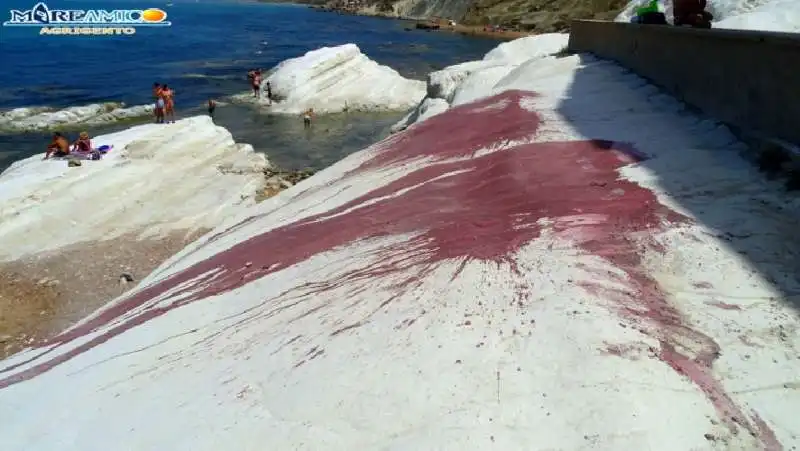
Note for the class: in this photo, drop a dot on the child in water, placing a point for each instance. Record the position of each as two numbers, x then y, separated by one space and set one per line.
309 113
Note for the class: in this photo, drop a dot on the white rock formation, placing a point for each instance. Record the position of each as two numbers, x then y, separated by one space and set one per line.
428 108
43 118
525 49
335 79
158 178
466 82
442 84
551 267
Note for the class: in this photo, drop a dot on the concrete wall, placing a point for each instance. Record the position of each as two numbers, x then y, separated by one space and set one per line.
748 79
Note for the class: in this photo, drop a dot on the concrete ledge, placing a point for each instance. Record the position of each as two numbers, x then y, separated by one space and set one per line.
748 79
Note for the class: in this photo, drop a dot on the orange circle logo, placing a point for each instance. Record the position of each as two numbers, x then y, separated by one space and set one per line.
153 15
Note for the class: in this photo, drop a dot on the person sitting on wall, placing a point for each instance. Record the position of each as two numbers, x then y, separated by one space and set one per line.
648 14
691 13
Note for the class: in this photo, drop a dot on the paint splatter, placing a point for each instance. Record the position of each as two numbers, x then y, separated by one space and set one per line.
481 208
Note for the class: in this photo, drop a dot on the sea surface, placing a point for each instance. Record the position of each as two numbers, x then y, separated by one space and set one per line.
206 54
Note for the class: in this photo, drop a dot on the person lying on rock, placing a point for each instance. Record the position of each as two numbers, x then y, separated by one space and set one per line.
58 147
83 143
691 13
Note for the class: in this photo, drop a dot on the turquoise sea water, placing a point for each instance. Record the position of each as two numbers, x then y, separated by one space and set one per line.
206 53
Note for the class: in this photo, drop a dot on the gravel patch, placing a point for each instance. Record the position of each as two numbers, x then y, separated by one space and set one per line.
43 294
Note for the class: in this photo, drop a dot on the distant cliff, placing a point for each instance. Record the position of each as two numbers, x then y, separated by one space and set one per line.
540 15
534 15
447 9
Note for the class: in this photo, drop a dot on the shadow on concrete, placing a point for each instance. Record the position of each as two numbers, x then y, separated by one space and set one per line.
699 163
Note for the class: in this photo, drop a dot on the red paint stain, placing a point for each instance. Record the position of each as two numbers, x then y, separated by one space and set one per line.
480 208
767 435
687 351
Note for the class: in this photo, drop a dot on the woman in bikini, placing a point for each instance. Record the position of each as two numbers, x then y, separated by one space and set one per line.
169 103
83 144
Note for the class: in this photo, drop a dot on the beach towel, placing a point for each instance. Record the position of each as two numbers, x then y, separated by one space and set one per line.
78 155
94 154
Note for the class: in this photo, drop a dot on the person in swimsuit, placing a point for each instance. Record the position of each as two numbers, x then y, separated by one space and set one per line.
158 110
309 113
169 103
257 84
58 147
269 92
212 105
83 144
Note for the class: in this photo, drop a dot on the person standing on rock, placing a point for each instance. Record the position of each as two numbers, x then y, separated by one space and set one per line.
255 82
269 92
169 103
212 105
158 109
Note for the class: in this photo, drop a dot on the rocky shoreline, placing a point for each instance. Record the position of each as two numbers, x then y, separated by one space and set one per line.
278 180
43 294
